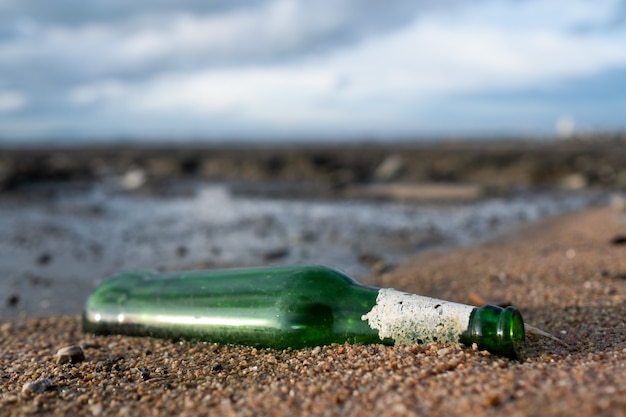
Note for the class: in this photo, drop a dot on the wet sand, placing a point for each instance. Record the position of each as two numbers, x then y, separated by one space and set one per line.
567 275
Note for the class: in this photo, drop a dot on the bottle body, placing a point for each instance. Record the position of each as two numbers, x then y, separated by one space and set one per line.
280 307
268 307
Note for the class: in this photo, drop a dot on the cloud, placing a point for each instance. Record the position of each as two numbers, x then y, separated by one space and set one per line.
72 13
141 42
595 101
12 100
50 49
338 65
462 59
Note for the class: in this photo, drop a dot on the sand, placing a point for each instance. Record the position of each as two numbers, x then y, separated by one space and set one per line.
567 275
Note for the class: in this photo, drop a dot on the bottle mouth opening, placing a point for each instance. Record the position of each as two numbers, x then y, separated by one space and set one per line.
496 329
511 326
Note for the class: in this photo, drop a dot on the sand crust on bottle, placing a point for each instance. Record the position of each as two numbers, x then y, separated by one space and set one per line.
409 319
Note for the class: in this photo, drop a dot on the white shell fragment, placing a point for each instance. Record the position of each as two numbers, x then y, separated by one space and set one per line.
71 354
409 318
37 387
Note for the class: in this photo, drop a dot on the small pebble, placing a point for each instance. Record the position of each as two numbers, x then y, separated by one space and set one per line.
13 300
275 254
145 373
37 387
133 179
181 251
443 351
44 259
619 240
96 409
71 354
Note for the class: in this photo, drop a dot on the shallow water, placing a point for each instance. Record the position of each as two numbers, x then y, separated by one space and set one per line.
55 250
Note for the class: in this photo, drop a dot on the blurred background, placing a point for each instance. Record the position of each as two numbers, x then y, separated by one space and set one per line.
295 70
208 134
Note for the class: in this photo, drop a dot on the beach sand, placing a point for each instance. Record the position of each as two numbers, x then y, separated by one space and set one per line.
567 275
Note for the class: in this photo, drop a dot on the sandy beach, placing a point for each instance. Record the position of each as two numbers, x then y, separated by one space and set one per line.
566 274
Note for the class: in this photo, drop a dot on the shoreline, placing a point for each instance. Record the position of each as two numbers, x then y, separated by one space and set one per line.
495 166
567 275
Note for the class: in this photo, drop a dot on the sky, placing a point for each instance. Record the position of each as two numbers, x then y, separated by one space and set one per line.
289 70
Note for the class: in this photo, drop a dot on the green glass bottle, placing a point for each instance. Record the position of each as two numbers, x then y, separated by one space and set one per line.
289 306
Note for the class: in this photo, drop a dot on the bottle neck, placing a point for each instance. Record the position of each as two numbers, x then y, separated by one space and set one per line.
409 318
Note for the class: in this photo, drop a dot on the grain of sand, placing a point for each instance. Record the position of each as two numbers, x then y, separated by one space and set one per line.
567 275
